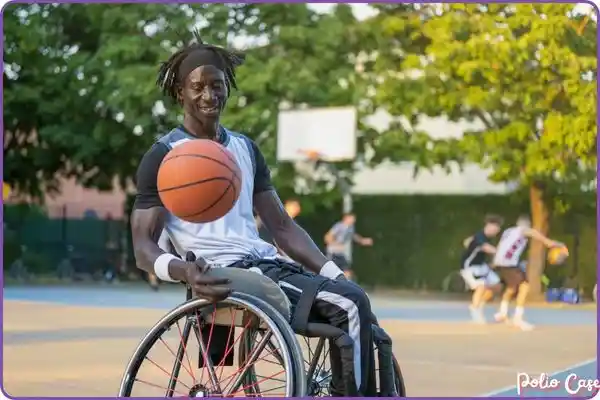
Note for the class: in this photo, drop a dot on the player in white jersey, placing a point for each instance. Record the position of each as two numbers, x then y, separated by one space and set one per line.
506 262
199 78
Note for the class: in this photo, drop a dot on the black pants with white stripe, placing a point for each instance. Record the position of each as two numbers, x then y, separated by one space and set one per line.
342 304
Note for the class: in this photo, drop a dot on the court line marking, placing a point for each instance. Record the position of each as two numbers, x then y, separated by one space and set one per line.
481 367
560 371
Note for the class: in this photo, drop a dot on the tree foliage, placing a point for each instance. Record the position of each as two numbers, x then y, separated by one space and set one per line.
80 99
524 74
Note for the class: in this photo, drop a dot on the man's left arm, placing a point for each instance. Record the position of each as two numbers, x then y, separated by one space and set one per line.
365 241
288 235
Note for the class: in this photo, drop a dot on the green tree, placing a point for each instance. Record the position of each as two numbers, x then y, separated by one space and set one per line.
296 58
77 82
80 99
526 74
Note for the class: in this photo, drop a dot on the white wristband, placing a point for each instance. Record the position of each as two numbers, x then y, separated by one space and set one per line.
330 270
161 267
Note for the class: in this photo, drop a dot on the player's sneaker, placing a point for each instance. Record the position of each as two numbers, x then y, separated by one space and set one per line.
524 326
501 317
477 315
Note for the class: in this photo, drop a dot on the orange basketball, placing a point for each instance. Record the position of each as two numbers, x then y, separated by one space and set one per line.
558 255
199 181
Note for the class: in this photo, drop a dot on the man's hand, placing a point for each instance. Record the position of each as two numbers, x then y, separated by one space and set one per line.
203 285
366 242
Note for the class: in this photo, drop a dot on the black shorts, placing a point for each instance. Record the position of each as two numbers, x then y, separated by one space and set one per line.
341 261
511 276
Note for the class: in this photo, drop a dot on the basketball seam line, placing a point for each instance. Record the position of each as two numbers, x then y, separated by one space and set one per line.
231 184
218 178
205 157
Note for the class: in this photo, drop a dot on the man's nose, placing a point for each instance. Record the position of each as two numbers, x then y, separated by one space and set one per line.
208 94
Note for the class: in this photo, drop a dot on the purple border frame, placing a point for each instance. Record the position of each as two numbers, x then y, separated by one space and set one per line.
590 2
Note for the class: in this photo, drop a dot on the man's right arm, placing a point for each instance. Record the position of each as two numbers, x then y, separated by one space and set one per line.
482 242
537 235
149 215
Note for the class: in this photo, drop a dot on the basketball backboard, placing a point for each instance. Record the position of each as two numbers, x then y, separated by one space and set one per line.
330 132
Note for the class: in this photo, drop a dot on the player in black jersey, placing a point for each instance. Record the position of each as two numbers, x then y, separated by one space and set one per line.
475 270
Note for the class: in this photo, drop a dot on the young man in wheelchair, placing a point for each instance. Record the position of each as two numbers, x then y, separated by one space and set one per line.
199 78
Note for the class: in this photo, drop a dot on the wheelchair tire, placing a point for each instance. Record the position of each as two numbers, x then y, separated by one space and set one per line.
400 387
295 385
320 391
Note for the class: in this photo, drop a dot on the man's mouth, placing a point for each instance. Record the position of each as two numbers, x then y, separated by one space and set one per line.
209 110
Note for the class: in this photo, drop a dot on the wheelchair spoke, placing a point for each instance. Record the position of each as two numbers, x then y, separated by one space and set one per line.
275 352
229 378
204 349
235 341
278 394
189 371
164 370
227 347
324 360
157 386
254 384
185 336
314 357
253 357
179 357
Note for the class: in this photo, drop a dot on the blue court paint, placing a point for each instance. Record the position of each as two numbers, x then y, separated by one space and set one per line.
413 310
585 370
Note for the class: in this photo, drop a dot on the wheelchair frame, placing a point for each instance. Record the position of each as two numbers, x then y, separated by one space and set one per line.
301 380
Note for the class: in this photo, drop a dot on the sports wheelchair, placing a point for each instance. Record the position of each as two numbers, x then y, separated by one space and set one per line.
255 318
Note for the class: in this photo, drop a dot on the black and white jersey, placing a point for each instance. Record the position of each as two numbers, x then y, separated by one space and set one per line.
229 238
474 254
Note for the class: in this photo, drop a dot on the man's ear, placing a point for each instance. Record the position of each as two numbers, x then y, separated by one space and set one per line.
180 95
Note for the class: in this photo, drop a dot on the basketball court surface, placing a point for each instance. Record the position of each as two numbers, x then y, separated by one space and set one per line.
76 341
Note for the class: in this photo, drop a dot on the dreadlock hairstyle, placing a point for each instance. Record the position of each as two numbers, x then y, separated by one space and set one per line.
169 78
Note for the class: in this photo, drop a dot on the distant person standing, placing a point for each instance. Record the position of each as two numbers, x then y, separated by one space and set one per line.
340 238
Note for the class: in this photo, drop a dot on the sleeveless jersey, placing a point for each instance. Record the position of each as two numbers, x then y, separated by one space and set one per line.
512 244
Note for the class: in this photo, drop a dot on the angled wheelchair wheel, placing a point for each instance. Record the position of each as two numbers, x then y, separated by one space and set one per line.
317 365
190 352
318 369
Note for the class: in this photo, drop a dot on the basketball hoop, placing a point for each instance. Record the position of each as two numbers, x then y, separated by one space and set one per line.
310 154
307 167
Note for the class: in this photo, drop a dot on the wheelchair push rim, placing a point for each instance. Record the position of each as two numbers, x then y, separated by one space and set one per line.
188 370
